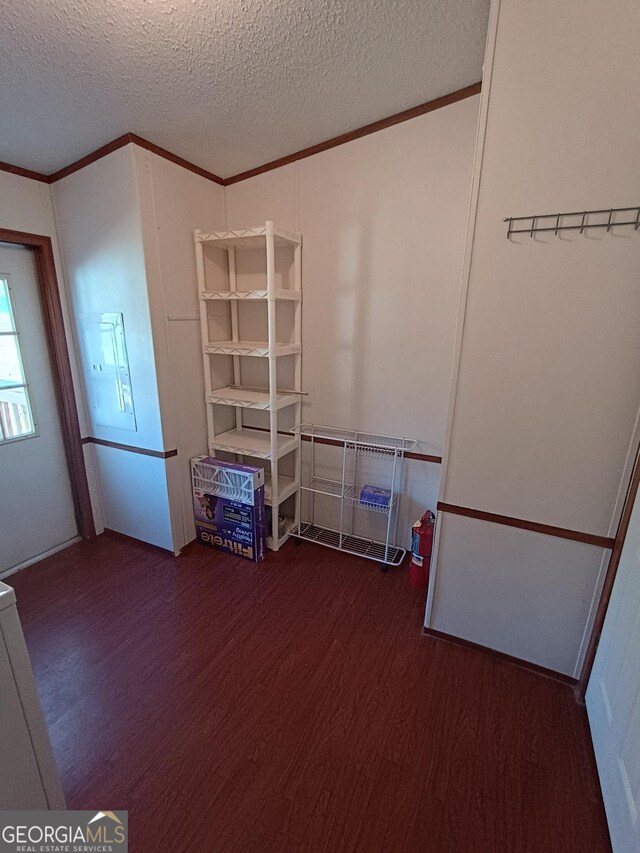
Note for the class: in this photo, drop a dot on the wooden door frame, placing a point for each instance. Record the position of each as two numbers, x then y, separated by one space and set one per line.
607 587
42 250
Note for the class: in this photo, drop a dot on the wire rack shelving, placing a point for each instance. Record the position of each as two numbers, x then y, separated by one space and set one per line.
385 455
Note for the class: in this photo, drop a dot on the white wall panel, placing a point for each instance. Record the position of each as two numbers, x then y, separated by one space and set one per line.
99 225
383 221
544 409
520 592
272 195
135 495
173 203
98 218
547 390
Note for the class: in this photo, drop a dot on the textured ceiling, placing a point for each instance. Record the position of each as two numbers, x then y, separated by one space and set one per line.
227 84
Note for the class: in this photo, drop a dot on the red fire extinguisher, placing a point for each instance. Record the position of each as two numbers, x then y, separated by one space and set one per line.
421 545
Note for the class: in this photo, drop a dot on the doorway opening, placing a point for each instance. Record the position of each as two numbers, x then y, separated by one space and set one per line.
22 411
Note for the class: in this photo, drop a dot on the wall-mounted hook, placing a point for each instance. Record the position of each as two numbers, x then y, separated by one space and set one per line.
557 222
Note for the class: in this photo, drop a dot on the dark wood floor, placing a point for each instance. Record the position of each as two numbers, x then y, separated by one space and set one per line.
294 706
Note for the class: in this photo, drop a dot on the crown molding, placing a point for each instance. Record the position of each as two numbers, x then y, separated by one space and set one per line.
24 173
374 127
132 138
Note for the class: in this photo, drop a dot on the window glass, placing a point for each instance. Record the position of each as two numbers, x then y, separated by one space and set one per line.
16 419
15 413
6 318
10 363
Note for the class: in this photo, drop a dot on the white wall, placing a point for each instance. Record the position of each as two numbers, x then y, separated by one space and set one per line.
549 370
383 221
126 224
98 219
173 203
26 205
504 582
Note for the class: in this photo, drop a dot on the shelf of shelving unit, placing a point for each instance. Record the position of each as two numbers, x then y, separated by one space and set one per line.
280 294
369 442
290 525
287 486
387 452
251 238
261 349
244 441
349 494
369 548
248 398
253 442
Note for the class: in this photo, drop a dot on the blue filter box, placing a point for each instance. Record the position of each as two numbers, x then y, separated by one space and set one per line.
228 507
375 496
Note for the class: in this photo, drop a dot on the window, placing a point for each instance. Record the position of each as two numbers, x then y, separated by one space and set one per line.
16 419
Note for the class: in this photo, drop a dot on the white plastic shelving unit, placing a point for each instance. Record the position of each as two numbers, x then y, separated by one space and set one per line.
243 441
385 455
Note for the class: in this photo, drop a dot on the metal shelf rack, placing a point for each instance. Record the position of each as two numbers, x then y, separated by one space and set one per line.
387 455
243 441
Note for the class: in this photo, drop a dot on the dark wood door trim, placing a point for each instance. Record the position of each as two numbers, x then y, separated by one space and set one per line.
607 587
47 279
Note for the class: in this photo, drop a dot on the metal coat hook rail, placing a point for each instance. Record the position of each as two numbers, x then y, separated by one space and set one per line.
579 220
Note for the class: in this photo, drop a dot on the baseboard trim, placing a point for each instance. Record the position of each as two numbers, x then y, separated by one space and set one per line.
523 664
32 561
115 534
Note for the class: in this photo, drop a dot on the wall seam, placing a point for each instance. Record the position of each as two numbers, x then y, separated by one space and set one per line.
476 181
167 347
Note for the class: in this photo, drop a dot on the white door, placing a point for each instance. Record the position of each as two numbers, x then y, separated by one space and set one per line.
613 698
36 503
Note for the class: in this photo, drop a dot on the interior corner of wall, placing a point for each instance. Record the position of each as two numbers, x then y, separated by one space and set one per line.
95 487
433 573
155 292
175 497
